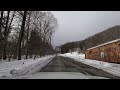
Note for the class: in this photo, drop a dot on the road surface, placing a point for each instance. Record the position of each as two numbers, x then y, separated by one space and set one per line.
65 64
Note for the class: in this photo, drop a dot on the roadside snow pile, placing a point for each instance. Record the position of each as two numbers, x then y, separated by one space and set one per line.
109 67
32 68
29 66
74 55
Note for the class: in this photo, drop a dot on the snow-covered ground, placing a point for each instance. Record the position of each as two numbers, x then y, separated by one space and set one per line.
109 67
16 68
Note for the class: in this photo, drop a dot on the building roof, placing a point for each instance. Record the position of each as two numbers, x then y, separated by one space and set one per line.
104 44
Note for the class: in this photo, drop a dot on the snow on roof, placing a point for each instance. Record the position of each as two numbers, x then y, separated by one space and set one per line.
105 44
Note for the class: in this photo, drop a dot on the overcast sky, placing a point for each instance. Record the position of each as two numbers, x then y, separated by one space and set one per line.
78 25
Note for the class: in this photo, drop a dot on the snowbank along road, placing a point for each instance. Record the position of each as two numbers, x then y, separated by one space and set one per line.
65 64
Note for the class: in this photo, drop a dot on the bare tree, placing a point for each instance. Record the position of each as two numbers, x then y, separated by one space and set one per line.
26 33
5 35
7 30
45 24
1 18
28 27
21 34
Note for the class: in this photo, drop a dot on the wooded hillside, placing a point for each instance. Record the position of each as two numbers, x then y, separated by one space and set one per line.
110 34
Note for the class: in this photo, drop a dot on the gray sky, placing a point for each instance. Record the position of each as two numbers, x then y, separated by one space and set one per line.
78 25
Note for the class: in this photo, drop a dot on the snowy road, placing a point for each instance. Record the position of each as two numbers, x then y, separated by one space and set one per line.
52 67
65 64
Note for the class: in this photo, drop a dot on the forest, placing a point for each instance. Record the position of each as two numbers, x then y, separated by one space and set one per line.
107 35
26 34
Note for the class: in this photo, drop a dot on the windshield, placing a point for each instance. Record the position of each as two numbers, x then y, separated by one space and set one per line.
65 43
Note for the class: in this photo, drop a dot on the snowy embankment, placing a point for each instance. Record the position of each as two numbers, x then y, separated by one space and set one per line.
109 67
23 67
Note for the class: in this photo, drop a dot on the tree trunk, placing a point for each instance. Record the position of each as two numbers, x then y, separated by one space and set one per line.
27 38
1 33
1 21
5 36
21 35
15 54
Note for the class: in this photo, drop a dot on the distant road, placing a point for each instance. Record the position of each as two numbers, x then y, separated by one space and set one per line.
65 64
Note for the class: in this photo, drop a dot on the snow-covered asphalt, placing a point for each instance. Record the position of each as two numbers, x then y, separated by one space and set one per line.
65 64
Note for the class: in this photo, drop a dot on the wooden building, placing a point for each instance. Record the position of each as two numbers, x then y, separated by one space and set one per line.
108 52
